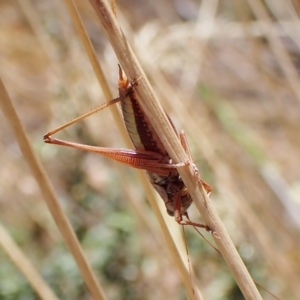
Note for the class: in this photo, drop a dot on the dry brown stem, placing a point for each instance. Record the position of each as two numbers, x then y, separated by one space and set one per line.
160 123
143 179
49 196
25 266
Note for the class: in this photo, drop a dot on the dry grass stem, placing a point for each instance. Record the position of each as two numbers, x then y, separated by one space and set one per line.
49 196
169 240
96 66
143 179
277 46
25 266
155 113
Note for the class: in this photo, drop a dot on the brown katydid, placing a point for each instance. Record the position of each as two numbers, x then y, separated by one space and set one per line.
149 153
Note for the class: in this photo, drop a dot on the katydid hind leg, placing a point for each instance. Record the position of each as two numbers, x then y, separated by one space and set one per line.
144 160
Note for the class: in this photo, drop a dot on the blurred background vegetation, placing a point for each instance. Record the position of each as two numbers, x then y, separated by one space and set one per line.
226 72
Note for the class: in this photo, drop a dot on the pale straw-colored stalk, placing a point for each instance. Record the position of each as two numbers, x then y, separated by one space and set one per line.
143 179
154 111
22 262
47 191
